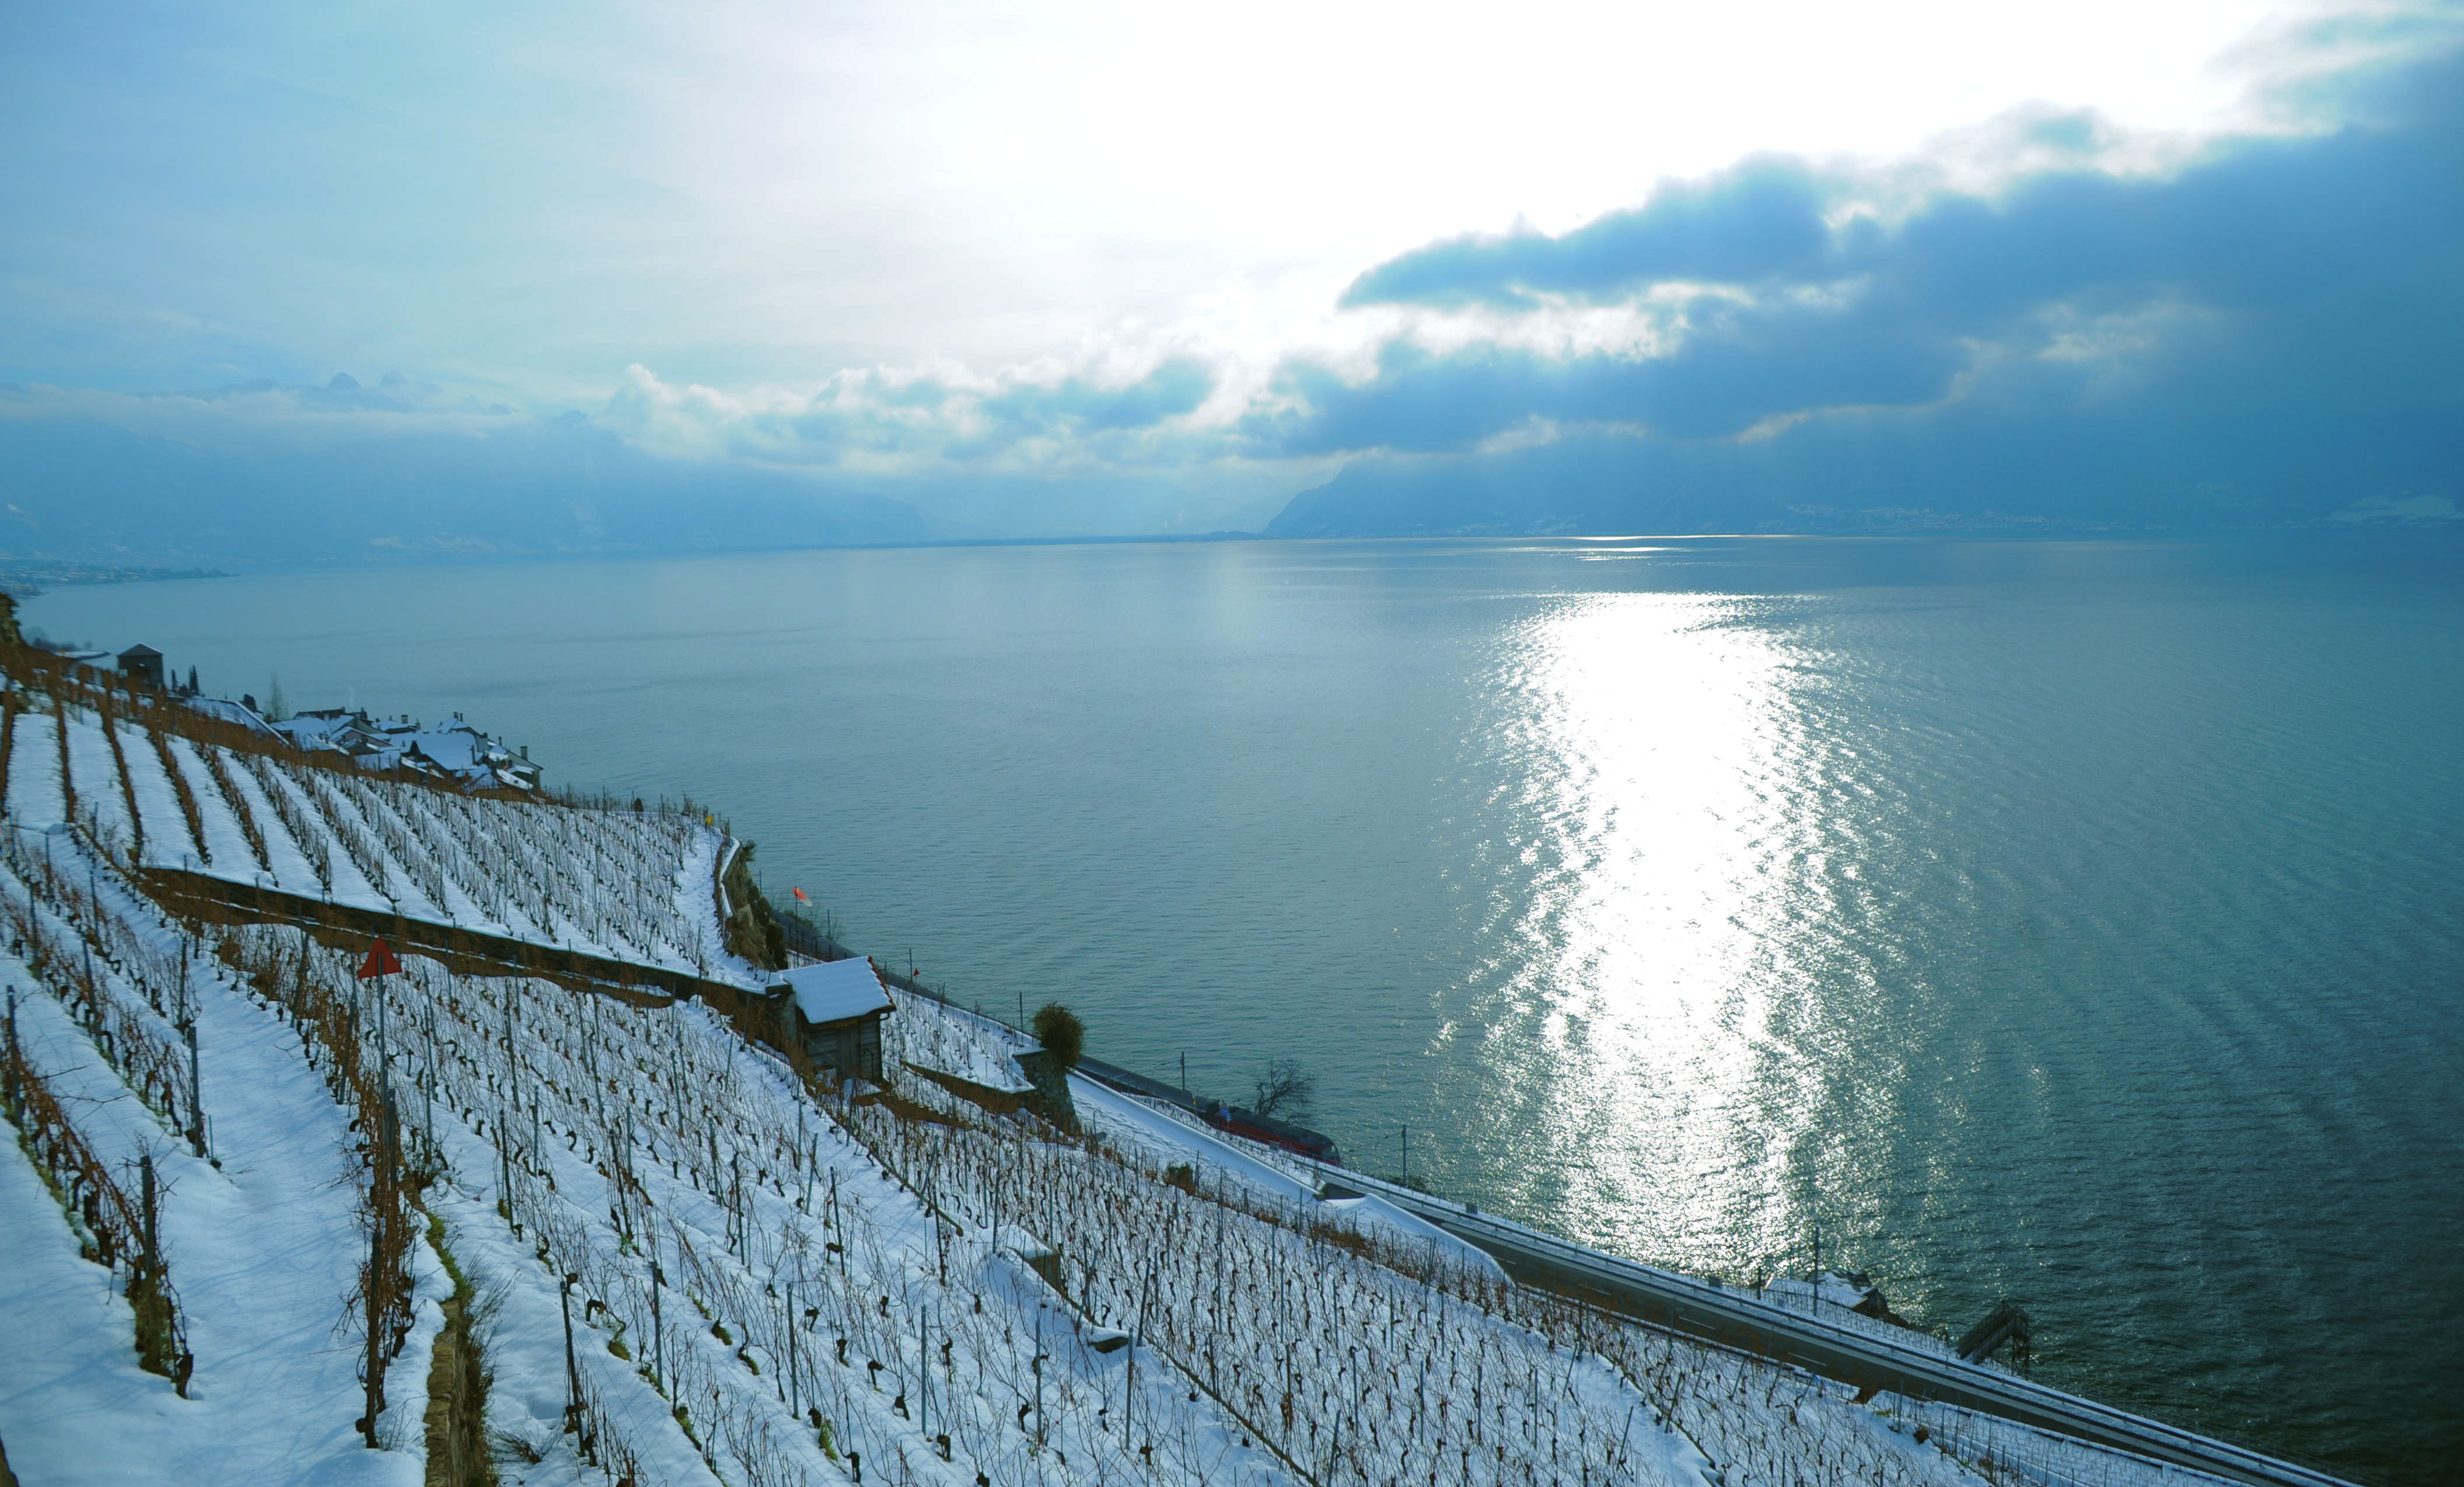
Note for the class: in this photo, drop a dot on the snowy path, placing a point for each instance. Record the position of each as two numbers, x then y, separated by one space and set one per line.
262 1254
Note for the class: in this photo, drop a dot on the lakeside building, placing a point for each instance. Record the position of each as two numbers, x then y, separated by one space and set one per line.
454 751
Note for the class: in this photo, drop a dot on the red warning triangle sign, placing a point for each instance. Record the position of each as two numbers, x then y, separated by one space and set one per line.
380 962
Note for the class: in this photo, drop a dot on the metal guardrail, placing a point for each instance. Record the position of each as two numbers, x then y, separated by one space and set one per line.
1737 1318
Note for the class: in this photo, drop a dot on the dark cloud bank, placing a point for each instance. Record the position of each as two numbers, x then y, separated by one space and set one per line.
2270 337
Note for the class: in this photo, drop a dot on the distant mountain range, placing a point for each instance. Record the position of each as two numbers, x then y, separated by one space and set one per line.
1890 473
87 491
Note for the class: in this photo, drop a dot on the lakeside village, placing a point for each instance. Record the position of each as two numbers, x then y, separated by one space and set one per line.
375 1112
451 753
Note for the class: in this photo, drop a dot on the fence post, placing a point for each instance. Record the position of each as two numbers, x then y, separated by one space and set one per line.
659 1325
373 1369
153 1251
196 1103
572 1370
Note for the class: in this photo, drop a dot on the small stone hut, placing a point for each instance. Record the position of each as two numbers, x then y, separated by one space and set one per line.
833 1012
143 665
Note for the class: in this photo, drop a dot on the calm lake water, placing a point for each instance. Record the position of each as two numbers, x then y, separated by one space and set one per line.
2077 922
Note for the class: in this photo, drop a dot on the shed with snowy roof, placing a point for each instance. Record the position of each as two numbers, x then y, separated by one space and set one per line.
143 666
833 1012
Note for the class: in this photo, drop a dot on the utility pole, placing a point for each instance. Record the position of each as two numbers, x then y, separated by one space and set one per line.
1407 1155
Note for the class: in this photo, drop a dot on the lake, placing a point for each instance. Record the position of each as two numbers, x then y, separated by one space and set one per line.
2075 921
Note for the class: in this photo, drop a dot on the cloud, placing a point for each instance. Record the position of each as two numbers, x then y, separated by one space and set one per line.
886 420
1739 365
2051 318
1760 221
264 472
1078 406
272 476
2279 317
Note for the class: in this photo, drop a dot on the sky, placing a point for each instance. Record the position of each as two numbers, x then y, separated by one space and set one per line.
870 272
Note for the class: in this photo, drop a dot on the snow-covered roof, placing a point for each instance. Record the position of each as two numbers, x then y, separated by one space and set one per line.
1838 1289
328 725
452 750
230 712
836 991
456 745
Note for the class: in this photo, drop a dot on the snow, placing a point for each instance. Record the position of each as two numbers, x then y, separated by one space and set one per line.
95 779
1172 1139
224 711
952 1040
458 748
1143 1301
621 885
226 845
34 770
1830 1291
1369 1213
291 868
1175 1142
167 841
836 991
261 1247
73 1406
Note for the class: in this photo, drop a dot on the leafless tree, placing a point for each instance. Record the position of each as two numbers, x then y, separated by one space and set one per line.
1284 1090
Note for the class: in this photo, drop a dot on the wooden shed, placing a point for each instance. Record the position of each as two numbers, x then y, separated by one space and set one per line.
834 1011
143 665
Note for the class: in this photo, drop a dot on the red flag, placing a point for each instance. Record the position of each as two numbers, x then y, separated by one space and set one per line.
380 962
800 893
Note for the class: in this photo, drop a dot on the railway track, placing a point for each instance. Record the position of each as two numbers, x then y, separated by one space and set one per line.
1740 1319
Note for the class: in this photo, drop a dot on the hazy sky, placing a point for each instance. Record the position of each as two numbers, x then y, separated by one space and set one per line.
1093 241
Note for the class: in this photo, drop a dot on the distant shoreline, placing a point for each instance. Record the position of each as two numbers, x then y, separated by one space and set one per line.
21 577
26 578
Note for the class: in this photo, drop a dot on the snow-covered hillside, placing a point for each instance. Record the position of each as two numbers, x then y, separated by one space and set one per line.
626 885
683 1262
260 1241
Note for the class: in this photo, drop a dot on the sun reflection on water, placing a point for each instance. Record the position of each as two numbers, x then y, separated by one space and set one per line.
1645 1008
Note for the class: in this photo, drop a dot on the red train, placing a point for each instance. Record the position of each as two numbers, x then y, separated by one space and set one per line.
1313 1144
